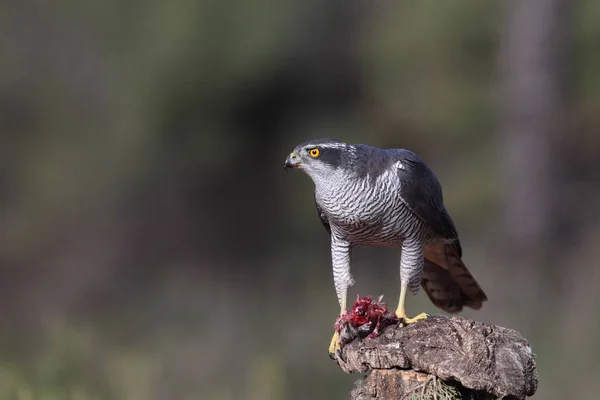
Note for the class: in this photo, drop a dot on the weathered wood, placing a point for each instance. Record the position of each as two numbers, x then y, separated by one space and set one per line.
452 355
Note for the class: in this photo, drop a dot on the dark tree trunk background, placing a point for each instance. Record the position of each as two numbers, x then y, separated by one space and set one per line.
532 68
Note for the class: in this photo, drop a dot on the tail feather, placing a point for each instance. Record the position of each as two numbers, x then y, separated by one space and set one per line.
448 282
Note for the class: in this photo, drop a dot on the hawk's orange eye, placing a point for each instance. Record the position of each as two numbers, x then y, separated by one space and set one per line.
314 153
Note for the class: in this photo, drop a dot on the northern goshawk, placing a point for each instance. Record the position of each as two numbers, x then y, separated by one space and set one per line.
366 196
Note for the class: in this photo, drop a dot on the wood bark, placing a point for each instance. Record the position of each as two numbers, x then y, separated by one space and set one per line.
444 358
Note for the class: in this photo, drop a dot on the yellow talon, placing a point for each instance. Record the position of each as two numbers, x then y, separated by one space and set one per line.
401 312
405 320
335 346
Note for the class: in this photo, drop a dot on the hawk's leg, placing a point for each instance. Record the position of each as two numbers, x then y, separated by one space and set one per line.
401 311
335 346
411 271
342 279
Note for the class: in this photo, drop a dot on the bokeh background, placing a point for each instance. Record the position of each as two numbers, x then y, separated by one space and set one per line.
152 246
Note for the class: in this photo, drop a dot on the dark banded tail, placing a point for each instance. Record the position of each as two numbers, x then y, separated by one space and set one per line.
447 281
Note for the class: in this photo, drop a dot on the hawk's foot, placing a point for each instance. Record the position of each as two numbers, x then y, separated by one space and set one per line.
335 347
404 320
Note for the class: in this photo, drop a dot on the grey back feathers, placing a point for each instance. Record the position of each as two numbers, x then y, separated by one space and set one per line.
422 192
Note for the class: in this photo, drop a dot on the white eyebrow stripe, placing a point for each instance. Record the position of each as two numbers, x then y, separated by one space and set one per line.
326 146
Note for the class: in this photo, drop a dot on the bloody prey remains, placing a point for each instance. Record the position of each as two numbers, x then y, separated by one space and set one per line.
365 318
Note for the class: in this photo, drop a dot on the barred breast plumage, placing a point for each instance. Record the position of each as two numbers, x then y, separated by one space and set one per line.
369 211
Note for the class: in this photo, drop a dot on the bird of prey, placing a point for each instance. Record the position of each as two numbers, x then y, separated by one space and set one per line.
366 196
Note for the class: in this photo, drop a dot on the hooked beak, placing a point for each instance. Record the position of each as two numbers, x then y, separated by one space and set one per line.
293 161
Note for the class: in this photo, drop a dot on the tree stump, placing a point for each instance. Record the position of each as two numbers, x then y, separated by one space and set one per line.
442 358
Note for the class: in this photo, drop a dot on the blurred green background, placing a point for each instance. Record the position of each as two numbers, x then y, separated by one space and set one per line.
152 247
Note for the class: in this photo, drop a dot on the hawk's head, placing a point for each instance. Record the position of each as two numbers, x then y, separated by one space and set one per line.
319 158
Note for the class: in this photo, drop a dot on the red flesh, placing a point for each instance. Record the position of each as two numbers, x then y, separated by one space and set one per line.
371 316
